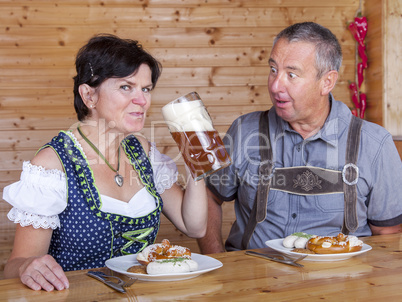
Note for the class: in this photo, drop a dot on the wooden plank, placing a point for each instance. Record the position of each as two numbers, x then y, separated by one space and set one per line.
75 36
197 76
398 144
7 177
374 74
169 57
45 97
188 3
36 97
12 160
8 122
37 119
392 63
24 140
43 58
58 123
145 17
212 96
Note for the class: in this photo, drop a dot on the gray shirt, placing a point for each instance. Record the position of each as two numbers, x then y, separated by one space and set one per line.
379 187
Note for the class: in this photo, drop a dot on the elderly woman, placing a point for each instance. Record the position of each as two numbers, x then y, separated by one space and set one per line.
96 191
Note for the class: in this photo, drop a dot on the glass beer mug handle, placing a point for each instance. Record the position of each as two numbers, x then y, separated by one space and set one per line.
208 146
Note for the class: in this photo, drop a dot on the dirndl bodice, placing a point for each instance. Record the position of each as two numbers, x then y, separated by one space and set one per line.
87 236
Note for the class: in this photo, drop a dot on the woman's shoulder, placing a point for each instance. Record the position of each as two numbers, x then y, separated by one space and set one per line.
48 159
138 137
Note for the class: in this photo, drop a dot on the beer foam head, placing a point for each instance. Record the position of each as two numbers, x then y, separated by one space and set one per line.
187 116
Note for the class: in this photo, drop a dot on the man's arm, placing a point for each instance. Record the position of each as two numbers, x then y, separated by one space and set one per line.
385 230
212 242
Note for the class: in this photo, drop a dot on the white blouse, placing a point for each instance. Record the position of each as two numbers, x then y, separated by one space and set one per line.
40 194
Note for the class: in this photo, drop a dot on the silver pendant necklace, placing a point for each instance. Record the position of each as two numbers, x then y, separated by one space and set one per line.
117 178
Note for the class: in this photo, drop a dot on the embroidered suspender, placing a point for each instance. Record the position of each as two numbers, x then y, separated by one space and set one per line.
350 175
259 210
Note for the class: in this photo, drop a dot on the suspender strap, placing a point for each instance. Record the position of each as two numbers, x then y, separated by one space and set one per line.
350 175
259 209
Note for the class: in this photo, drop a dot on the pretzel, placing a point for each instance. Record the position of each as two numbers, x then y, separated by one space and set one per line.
334 245
162 251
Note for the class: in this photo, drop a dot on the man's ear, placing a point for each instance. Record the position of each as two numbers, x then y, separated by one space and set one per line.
328 82
87 94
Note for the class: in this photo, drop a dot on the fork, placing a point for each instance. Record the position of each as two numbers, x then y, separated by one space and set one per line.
285 259
129 282
119 286
288 258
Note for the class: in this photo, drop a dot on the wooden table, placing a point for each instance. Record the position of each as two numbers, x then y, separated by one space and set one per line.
372 276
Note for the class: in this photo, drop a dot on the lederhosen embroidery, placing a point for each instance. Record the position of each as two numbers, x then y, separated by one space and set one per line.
126 235
307 180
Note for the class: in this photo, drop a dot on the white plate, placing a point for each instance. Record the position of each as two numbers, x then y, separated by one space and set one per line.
123 263
277 245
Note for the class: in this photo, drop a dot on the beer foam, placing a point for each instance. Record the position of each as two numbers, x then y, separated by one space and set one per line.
187 116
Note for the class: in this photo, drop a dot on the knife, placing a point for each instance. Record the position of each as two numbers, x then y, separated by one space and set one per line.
273 258
105 279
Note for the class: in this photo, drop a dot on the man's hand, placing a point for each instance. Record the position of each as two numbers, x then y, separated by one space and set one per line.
385 230
212 242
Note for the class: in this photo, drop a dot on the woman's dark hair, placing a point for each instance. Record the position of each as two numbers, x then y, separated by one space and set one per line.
107 56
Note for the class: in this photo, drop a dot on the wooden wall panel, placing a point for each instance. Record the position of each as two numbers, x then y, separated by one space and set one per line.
219 48
383 76
392 91
374 74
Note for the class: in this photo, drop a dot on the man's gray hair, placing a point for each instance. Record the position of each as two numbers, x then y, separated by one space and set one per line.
328 50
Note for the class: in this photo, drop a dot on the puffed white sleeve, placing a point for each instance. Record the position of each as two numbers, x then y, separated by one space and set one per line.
38 197
164 168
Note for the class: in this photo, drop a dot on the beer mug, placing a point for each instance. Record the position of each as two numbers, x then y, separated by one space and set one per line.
199 143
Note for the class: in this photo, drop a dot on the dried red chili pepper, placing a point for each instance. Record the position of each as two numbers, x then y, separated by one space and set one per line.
354 94
363 104
361 50
353 29
361 24
354 112
360 76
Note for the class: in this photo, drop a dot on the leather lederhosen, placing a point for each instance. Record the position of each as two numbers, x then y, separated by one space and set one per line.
307 180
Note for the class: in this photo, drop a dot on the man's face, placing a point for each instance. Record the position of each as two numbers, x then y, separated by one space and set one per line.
292 83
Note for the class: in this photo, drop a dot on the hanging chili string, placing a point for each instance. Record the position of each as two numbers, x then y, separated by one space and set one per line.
358 29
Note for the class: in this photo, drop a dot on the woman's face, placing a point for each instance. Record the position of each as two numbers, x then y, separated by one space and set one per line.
123 102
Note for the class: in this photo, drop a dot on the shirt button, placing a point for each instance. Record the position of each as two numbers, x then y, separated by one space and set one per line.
298 148
294 215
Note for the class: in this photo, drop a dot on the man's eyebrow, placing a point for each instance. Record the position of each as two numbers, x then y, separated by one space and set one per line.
291 67
271 61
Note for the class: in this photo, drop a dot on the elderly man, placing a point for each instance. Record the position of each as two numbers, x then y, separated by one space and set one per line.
308 164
